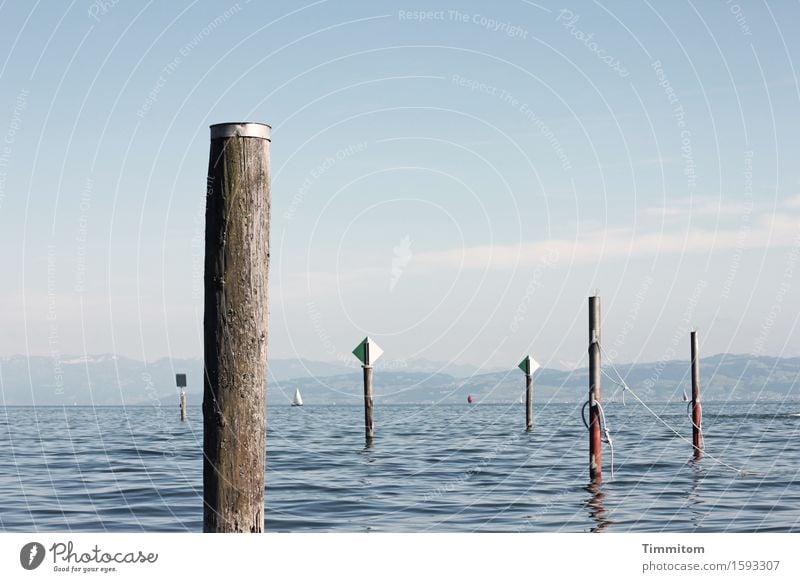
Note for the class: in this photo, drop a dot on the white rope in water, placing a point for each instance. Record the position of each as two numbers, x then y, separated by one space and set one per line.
621 382
691 420
607 434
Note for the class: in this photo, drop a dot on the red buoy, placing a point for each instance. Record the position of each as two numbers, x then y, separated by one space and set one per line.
469 398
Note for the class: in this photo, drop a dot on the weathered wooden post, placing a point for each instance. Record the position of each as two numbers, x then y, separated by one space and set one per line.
595 440
697 409
180 382
235 327
529 366
368 352
369 424
528 402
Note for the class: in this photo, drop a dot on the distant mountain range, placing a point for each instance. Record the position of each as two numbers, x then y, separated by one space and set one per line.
105 380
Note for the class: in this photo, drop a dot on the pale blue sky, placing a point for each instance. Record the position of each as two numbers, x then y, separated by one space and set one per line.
454 186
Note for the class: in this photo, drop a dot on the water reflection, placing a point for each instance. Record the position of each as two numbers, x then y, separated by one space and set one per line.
465 475
597 508
698 454
694 499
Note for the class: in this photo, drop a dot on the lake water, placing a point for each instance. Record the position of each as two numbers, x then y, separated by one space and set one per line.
430 469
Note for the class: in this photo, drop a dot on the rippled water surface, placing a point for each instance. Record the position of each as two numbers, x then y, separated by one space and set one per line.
431 468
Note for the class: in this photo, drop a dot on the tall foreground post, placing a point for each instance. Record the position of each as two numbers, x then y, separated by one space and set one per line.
697 409
595 441
235 327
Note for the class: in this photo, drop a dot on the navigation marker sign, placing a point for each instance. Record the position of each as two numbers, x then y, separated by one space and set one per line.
368 351
528 365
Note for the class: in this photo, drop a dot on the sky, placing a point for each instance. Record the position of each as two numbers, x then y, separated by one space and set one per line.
452 179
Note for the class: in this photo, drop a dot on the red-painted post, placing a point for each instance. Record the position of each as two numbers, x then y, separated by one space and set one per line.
595 440
697 409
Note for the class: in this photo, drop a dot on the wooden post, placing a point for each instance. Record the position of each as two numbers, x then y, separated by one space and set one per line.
368 352
595 442
369 426
235 327
528 402
697 409
180 382
528 366
183 405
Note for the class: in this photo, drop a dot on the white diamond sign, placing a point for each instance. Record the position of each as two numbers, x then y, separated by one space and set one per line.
368 351
529 365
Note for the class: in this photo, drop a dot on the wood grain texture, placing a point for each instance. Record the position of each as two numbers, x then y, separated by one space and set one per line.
235 334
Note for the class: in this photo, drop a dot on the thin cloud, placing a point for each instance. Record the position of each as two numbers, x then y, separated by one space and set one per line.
697 207
610 244
792 203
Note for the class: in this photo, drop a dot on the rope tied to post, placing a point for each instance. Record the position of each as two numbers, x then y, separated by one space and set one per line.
606 432
691 419
620 381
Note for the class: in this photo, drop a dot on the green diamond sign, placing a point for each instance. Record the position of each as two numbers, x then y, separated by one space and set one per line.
368 351
528 365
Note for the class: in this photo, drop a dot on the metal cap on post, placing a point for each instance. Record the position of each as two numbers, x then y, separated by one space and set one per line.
241 129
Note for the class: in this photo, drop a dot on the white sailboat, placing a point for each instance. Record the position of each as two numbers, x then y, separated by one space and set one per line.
298 400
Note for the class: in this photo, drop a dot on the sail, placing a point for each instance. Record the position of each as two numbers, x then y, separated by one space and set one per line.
298 401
